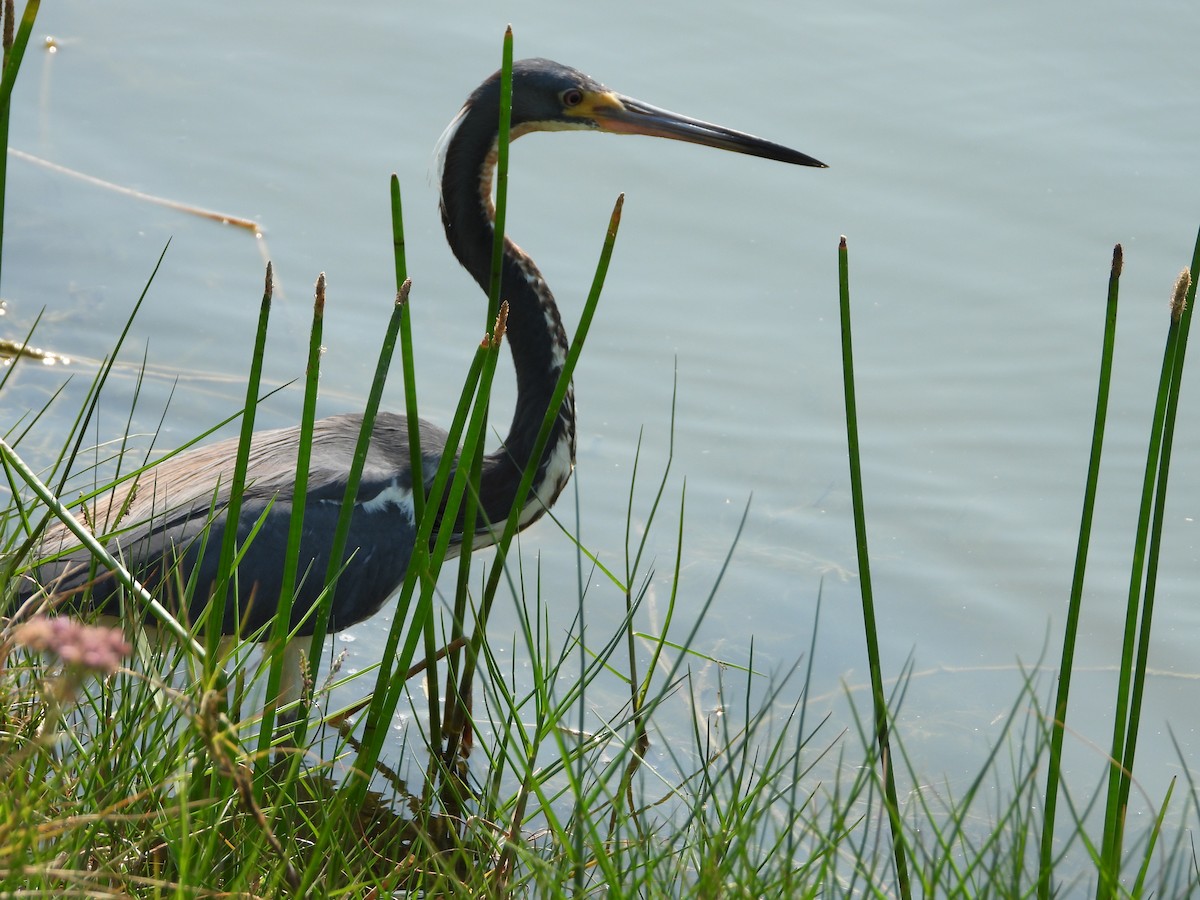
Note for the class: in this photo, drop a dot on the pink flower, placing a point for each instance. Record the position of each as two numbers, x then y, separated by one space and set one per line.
90 647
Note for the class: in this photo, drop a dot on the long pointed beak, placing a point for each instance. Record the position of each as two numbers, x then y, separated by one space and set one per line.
624 115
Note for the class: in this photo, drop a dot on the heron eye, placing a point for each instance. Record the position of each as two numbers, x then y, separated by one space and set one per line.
571 97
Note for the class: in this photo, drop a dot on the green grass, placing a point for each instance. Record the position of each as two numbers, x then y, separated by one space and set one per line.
164 776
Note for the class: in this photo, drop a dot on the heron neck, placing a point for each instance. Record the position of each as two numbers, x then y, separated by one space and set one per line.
535 332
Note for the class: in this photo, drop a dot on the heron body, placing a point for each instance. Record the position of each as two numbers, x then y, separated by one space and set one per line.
180 505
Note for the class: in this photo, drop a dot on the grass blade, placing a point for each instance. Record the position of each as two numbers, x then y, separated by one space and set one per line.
1053 769
879 701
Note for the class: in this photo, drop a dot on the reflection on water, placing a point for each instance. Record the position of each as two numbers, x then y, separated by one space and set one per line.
11 350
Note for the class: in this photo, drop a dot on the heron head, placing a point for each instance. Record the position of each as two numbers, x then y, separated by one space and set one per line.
548 96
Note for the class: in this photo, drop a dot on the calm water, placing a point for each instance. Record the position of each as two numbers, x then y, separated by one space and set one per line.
983 161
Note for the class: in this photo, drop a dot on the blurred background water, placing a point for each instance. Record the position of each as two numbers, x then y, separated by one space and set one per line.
984 160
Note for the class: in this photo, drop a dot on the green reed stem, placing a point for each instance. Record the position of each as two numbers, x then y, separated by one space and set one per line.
539 447
1110 852
501 177
237 485
464 490
455 715
879 700
407 362
460 488
14 52
419 567
416 464
233 511
358 462
282 621
1185 296
1133 673
1053 770
423 566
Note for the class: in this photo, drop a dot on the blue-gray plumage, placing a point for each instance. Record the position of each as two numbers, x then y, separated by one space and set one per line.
176 500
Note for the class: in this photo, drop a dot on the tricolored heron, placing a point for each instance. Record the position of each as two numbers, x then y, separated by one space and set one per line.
189 492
